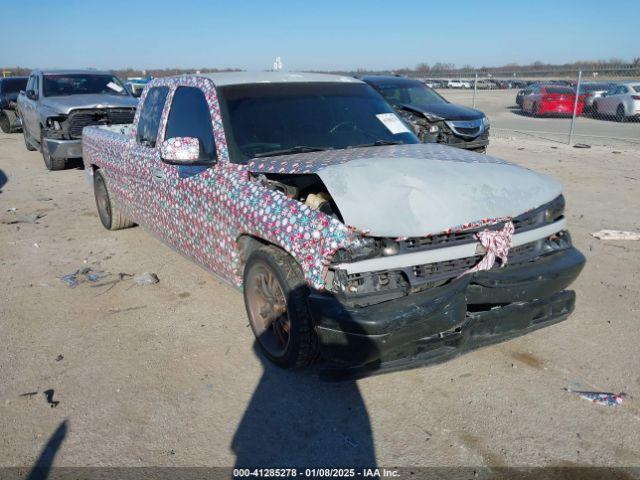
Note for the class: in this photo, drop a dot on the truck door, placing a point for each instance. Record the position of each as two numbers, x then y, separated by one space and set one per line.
28 109
138 172
191 195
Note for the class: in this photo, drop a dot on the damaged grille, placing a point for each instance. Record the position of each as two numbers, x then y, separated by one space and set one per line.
452 268
466 128
527 221
78 119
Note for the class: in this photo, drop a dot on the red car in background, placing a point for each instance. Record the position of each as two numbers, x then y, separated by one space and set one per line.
551 100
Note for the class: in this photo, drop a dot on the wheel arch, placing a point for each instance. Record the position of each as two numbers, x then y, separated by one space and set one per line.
245 245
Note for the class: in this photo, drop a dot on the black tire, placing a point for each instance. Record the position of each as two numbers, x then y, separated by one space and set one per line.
594 110
50 162
5 122
27 145
534 110
110 216
301 346
620 114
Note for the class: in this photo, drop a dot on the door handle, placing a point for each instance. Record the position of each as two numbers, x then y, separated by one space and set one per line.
158 174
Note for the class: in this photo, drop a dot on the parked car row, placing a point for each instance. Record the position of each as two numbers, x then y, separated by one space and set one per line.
350 239
484 83
618 100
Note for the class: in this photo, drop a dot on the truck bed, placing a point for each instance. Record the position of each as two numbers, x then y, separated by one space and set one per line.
105 144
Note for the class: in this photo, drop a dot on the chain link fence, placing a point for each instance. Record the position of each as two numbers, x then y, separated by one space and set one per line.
542 103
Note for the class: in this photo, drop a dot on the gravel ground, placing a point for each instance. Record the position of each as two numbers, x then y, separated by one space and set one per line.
166 374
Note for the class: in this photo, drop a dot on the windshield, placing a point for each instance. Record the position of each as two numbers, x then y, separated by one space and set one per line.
295 117
82 83
416 94
12 85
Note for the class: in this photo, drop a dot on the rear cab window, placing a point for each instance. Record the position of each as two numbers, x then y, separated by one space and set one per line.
150 116
559 90
12 85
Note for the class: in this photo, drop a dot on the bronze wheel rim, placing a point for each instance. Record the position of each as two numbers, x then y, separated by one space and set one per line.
267 307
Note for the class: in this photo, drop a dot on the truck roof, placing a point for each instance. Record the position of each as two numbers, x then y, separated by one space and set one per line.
70 72
237 78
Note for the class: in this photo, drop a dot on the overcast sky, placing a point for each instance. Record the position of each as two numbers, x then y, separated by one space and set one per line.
309 34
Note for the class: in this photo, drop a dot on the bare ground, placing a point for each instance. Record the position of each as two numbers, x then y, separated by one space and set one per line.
166 374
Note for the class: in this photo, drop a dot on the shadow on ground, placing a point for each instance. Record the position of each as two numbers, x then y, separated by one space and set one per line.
3 180
296 420
42 466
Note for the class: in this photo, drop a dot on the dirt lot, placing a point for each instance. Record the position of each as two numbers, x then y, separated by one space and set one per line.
507 119
166 374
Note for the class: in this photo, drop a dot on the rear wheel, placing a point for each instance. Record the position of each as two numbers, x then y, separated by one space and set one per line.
110 216
5 122
620 113
275 296
50 162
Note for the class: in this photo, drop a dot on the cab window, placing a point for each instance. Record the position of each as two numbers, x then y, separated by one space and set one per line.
150 116
190 117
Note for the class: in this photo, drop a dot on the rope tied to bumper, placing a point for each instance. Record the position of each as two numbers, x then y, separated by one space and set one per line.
496 244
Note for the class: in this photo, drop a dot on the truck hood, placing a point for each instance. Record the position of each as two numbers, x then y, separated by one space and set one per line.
418 190
65 104
447 111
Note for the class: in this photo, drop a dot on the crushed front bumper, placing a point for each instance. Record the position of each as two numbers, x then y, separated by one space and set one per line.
64 148
438 324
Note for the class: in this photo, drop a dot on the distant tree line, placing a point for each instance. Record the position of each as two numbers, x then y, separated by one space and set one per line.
613 66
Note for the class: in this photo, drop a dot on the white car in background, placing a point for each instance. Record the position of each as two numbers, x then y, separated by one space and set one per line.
621 100
458 84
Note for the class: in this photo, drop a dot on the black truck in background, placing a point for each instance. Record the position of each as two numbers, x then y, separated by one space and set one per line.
434 119
9 89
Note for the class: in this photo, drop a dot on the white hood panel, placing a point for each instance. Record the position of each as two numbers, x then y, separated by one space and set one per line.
413 197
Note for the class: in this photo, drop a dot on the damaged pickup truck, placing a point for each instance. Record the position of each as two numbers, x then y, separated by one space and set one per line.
58 104
350 239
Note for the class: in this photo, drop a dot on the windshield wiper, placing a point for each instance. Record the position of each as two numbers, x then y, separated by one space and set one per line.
378 143
288 151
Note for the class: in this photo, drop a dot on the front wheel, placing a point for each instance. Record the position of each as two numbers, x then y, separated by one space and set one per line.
50 162
27 145
275 296
535 110
110 216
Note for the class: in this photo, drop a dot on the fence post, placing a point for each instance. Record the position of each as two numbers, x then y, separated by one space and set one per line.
575 106
475 90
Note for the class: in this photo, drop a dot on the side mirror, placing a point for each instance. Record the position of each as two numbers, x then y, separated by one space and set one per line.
183 151
604 94
31 95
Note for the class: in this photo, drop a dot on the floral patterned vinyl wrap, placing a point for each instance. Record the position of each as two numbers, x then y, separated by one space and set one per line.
202 212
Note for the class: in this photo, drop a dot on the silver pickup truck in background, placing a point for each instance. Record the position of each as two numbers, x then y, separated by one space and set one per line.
57 104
